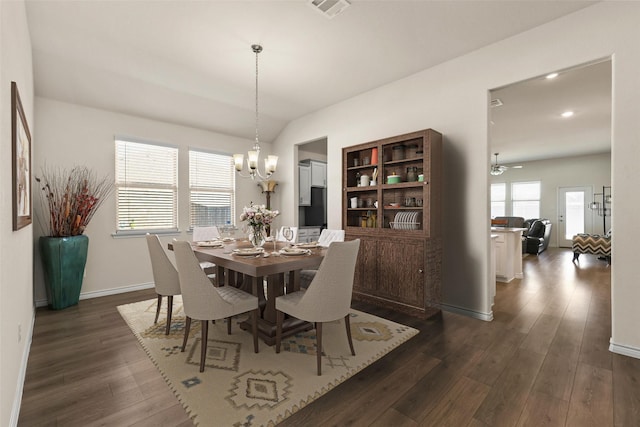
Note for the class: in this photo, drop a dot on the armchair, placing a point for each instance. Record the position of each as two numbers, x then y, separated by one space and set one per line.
536 238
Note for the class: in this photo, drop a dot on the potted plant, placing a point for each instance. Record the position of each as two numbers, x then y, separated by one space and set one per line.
69 198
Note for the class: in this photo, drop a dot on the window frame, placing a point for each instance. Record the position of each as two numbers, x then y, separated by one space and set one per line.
503 200
515 200
173 187
196 187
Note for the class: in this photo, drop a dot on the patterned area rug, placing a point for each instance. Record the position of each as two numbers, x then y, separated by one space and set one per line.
242 388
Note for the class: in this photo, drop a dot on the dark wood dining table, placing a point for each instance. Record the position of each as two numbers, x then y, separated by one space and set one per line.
249 272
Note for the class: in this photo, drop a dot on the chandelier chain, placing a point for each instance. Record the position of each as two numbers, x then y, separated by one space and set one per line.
257 51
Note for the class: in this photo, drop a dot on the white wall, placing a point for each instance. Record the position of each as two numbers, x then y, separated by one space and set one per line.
71 134
453 98
16 280
591 171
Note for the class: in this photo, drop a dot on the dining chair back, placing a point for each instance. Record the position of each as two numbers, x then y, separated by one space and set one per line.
328 297
203 301
165 276
203 234
280 236
328 236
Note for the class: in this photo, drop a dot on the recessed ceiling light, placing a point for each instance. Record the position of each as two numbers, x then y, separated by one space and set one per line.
567 114
552 75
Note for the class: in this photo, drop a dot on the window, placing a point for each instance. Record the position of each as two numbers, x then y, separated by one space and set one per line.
212 197
525 199
146 187
498 197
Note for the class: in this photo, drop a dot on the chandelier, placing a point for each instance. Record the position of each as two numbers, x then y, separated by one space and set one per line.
253 155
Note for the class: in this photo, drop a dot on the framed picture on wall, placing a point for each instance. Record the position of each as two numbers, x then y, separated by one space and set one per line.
21 154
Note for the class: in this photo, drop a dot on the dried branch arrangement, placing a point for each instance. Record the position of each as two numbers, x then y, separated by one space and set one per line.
71 198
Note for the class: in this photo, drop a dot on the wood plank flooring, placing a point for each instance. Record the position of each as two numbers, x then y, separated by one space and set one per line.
544 360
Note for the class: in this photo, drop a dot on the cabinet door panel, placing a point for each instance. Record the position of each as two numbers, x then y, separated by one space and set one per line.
401 271
318 174
304 185
365 275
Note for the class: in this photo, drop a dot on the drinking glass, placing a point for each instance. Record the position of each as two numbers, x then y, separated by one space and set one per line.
287 233
274 239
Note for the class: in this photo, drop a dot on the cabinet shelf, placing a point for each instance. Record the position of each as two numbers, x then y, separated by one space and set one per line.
371 188
403 161
411 184
397 268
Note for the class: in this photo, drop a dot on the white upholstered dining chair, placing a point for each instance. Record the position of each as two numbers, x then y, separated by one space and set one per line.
328 297
204 234
327 236
280 237
165 277
203 301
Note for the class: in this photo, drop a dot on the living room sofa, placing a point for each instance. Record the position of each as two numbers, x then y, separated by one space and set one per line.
536 238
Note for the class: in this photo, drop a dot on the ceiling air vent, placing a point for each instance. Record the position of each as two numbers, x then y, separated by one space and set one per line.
496 102
329 8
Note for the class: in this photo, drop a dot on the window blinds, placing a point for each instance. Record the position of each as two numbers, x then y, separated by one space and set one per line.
211 189
146 186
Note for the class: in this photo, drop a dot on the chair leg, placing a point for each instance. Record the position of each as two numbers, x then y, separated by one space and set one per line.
279 320
169 311
347 324
319 344
203 345
158 309
187 326
254 325
229 325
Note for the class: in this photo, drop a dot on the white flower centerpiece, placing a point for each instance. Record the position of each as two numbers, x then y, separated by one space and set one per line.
257 218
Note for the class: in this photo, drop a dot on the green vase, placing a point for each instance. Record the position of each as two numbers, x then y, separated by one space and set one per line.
63 260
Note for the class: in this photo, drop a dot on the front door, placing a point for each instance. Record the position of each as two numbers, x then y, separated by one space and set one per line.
574 215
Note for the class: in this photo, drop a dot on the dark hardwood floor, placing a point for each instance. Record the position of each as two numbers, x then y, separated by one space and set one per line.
544 360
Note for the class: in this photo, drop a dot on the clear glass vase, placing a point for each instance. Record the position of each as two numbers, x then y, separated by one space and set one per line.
257 236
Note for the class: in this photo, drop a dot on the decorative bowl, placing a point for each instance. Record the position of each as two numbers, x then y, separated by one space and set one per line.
393 179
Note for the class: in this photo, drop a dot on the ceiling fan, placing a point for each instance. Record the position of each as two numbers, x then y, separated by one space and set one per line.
498 169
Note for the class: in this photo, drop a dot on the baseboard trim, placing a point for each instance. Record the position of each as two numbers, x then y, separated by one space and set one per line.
487 317
17 401
624 350
106 292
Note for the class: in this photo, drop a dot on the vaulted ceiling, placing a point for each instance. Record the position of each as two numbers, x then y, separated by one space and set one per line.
190 62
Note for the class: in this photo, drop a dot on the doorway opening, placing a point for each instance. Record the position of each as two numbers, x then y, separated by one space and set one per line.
555 129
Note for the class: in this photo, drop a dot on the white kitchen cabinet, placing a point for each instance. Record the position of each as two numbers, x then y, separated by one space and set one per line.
308 234
318 174
304 185
508 253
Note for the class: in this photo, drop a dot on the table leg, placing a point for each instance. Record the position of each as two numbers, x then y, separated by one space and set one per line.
267 321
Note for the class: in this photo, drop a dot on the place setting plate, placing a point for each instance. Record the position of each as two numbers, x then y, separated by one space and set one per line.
307 245
210 244
294 251
248 251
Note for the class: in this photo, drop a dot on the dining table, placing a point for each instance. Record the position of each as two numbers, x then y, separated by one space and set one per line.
280 271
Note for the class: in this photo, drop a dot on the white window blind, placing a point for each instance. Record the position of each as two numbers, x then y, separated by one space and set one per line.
146 186
498 198
525 199
212 198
